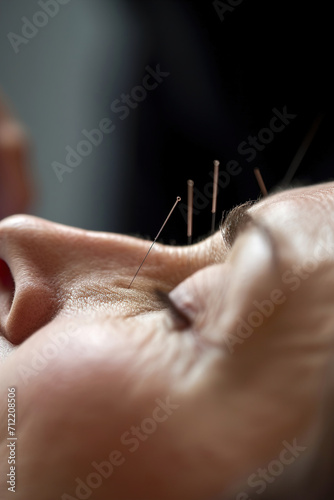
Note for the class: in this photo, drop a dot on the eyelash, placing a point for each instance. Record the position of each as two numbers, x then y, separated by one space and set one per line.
180 320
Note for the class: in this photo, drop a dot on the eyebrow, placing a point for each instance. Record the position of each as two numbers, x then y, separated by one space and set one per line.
234 222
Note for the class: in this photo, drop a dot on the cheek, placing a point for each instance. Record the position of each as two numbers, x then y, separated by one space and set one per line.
6 348
96 408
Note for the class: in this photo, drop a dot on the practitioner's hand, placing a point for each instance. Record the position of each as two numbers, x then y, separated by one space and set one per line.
15 188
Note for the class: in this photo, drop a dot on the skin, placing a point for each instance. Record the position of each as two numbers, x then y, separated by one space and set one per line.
233 400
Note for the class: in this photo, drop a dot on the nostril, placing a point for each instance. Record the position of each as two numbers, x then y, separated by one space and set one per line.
7 289
6 278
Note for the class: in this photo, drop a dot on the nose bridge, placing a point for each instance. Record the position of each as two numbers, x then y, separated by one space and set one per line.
49 262
31 244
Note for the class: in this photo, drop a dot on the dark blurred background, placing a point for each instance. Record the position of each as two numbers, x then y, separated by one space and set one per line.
230 64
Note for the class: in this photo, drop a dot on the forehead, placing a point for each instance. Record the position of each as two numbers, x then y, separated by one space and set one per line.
282 210
323 193
303 205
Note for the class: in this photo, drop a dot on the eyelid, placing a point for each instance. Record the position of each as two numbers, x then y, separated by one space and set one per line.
180 319
254 224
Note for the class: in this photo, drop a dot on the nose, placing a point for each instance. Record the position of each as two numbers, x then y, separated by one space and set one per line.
28 289
42 264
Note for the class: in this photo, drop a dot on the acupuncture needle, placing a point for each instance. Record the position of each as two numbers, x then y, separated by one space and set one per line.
190 210
155 239
260 181
214 195
302 150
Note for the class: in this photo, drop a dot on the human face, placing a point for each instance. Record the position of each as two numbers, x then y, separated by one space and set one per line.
126 393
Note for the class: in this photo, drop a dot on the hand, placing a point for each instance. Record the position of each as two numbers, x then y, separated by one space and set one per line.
15 187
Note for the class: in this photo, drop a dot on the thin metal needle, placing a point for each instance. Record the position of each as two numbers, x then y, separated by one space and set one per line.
190 210
155 239
260 181
214 195
302 150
